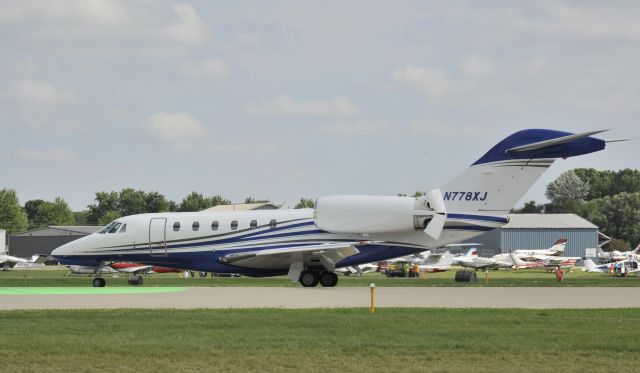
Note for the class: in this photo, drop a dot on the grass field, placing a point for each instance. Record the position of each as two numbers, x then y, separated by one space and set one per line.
345 340
496 278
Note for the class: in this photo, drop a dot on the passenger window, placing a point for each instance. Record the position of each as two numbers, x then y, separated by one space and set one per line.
273 223
234 225
195 226
176 226
253 224
114 229
123 229
214 226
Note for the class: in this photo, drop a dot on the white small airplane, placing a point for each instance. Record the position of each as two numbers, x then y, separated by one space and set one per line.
479 262
517 263
471 253
358 269
436 263
616 255
621 268
556 250
7 261
309 244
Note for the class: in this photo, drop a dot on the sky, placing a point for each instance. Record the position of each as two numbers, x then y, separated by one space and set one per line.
287 99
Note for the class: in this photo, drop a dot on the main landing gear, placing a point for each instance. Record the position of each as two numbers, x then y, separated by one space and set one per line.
310 278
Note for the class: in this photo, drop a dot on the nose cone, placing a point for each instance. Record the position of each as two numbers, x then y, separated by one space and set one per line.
63 250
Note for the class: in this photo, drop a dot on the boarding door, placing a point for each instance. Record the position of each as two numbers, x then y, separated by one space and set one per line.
158 236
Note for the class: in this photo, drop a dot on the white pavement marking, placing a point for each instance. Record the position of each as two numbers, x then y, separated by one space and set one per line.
280 297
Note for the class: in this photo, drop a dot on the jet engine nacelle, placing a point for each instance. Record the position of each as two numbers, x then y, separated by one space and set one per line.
367 214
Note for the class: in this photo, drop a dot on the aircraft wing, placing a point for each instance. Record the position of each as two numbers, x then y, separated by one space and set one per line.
138 270
327 253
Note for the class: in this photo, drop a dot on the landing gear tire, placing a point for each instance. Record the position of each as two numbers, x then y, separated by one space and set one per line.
309 278
328 279
136 280
99 282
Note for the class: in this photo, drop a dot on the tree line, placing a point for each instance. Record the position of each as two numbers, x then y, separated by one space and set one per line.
106 207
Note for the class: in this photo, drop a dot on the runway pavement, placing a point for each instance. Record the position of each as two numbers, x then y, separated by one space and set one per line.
284 297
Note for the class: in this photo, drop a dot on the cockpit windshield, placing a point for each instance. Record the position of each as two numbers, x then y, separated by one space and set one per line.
111 228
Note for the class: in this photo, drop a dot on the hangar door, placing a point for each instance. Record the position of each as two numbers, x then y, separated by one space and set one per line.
158 236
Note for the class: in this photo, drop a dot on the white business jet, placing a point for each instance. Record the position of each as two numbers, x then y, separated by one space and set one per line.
342 231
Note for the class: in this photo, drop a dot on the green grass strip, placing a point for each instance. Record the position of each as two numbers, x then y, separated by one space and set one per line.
321 340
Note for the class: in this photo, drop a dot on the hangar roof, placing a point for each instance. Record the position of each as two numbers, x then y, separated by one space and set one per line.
547 221
244 207
61 230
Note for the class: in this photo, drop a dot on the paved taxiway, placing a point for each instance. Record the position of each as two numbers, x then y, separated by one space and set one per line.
251 297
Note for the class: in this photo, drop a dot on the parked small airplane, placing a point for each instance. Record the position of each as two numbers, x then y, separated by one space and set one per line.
616 255
135 270
471 253
342 231
479 262
556 250
7 261
518 263
436 263
620 268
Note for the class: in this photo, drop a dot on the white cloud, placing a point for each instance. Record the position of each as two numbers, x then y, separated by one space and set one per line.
41 93
287 106
477 66
106 24
211 68
433 82
46 155
180 131
189 27
359 127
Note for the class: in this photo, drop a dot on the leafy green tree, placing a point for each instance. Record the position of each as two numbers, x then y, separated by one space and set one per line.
54 213
530 207
220 200
305 203
626 181
609 183
128 201
108 217
80 217
31 208
12 217
195 201
131 202
617 216
599 181
156 202
567 192
106 202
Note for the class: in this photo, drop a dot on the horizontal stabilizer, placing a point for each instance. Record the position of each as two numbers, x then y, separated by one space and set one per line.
553 142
